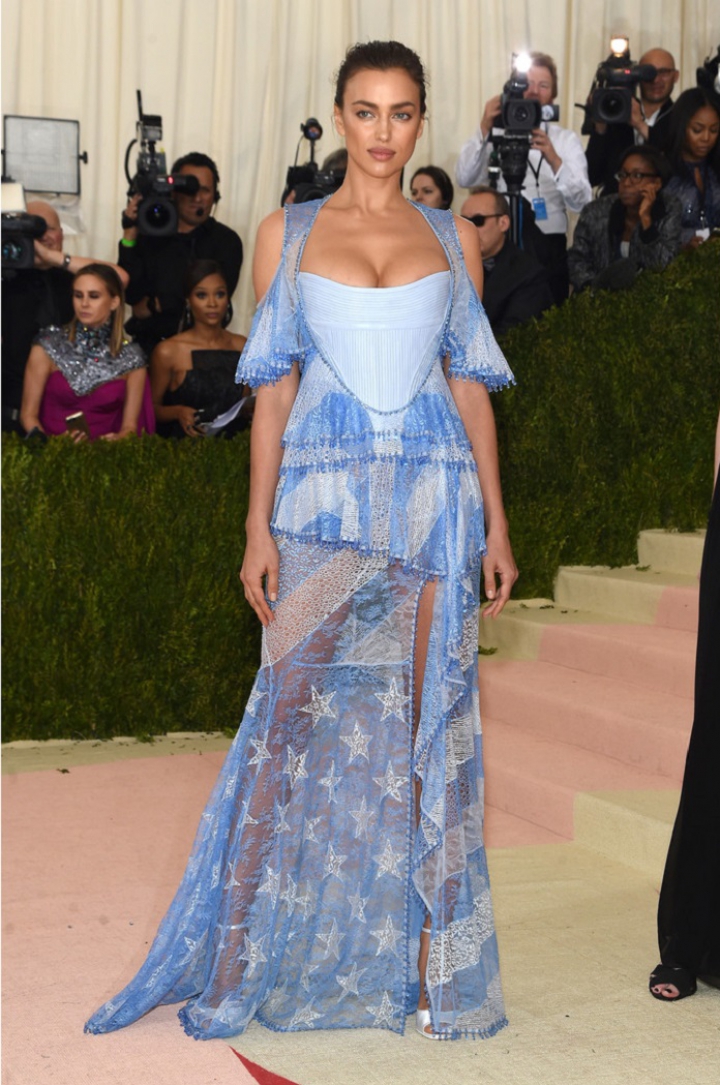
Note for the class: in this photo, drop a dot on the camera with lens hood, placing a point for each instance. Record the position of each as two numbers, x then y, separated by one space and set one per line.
157 215
309 182
613 90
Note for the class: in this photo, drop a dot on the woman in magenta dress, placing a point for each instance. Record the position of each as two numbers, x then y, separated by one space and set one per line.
89 367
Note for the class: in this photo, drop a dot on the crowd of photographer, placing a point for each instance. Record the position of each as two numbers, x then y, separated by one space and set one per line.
655 165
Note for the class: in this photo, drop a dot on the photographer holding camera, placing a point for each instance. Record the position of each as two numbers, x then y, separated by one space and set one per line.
34 298
157 261
649 122
555 181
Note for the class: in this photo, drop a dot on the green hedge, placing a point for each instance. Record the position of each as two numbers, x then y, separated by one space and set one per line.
610 428
123 613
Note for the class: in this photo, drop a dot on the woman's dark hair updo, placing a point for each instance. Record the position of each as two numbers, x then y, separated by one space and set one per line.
381 56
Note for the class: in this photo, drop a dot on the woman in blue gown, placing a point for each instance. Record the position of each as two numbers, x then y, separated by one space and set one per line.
338 878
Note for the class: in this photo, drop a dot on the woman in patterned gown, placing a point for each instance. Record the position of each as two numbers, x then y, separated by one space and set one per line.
338 877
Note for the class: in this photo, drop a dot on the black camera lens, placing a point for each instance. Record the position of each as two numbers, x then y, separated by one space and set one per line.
157 217
12 251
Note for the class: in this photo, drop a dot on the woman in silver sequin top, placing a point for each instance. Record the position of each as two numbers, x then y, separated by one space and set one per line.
88 368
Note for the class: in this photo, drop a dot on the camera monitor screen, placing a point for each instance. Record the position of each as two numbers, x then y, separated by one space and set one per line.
43 155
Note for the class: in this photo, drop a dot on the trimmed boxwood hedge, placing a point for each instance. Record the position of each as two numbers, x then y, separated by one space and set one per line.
610 428
123 613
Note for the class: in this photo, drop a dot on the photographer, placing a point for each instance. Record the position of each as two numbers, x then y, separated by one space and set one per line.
157 265
649 122
36 298
556 180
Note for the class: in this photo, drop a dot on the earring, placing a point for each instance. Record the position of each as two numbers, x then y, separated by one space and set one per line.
228 315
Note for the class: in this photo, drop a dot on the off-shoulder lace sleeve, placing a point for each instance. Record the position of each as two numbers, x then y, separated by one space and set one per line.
274 342
469 341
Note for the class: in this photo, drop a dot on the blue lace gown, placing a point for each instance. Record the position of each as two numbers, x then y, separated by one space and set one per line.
310 876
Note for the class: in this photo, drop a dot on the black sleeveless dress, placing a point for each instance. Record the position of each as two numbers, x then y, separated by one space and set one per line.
210 388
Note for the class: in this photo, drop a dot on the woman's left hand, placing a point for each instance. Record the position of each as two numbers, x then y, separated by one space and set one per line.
498 564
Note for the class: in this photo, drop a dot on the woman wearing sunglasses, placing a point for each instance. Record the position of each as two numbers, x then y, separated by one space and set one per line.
640 227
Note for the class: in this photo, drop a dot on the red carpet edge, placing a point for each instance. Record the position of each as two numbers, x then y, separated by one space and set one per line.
263 1077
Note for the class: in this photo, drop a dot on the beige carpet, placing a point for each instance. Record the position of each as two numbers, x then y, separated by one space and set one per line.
92 856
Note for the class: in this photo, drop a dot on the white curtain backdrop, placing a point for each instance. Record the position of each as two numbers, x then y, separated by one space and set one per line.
235 78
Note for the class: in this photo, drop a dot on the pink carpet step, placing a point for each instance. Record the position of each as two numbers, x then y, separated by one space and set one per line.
656 657
637 726
536 779
505 830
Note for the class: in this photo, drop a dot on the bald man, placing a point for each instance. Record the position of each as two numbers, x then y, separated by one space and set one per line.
34 299
649 122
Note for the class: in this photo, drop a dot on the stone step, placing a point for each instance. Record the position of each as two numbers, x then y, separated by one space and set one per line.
536 779
631 827
671 551
653 656
638 726
630 593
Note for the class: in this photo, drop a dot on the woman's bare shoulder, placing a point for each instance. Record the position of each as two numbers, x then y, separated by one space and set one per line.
268 251
169 350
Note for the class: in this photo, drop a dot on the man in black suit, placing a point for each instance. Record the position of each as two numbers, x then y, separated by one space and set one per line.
516 284
649 123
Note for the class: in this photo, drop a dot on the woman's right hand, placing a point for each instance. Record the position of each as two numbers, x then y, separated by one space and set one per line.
186 417
261 562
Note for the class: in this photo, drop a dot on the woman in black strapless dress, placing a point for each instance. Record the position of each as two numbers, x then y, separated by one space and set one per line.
192 375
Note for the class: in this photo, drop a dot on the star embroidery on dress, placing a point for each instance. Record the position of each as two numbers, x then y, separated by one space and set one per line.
231 882
349 983
281 814
290 895
331 782
306 1016
333 864
261 751
387 936
384 1012
304 903
319 706
309 827
253 953
393 702
362 818
295 767
357 743
357 906
332 940
253 699
389 862
307 971
246 819
390 784
276 998
271 885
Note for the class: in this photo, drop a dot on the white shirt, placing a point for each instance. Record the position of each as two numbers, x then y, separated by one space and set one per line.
567 190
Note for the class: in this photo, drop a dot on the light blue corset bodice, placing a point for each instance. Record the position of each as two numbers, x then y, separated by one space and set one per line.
380 341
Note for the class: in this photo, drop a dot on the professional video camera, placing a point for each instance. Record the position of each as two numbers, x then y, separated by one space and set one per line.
511 141
157 214
709 75
613 89
19 230
308 181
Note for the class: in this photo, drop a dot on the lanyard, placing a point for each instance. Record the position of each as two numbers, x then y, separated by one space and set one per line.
536 172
